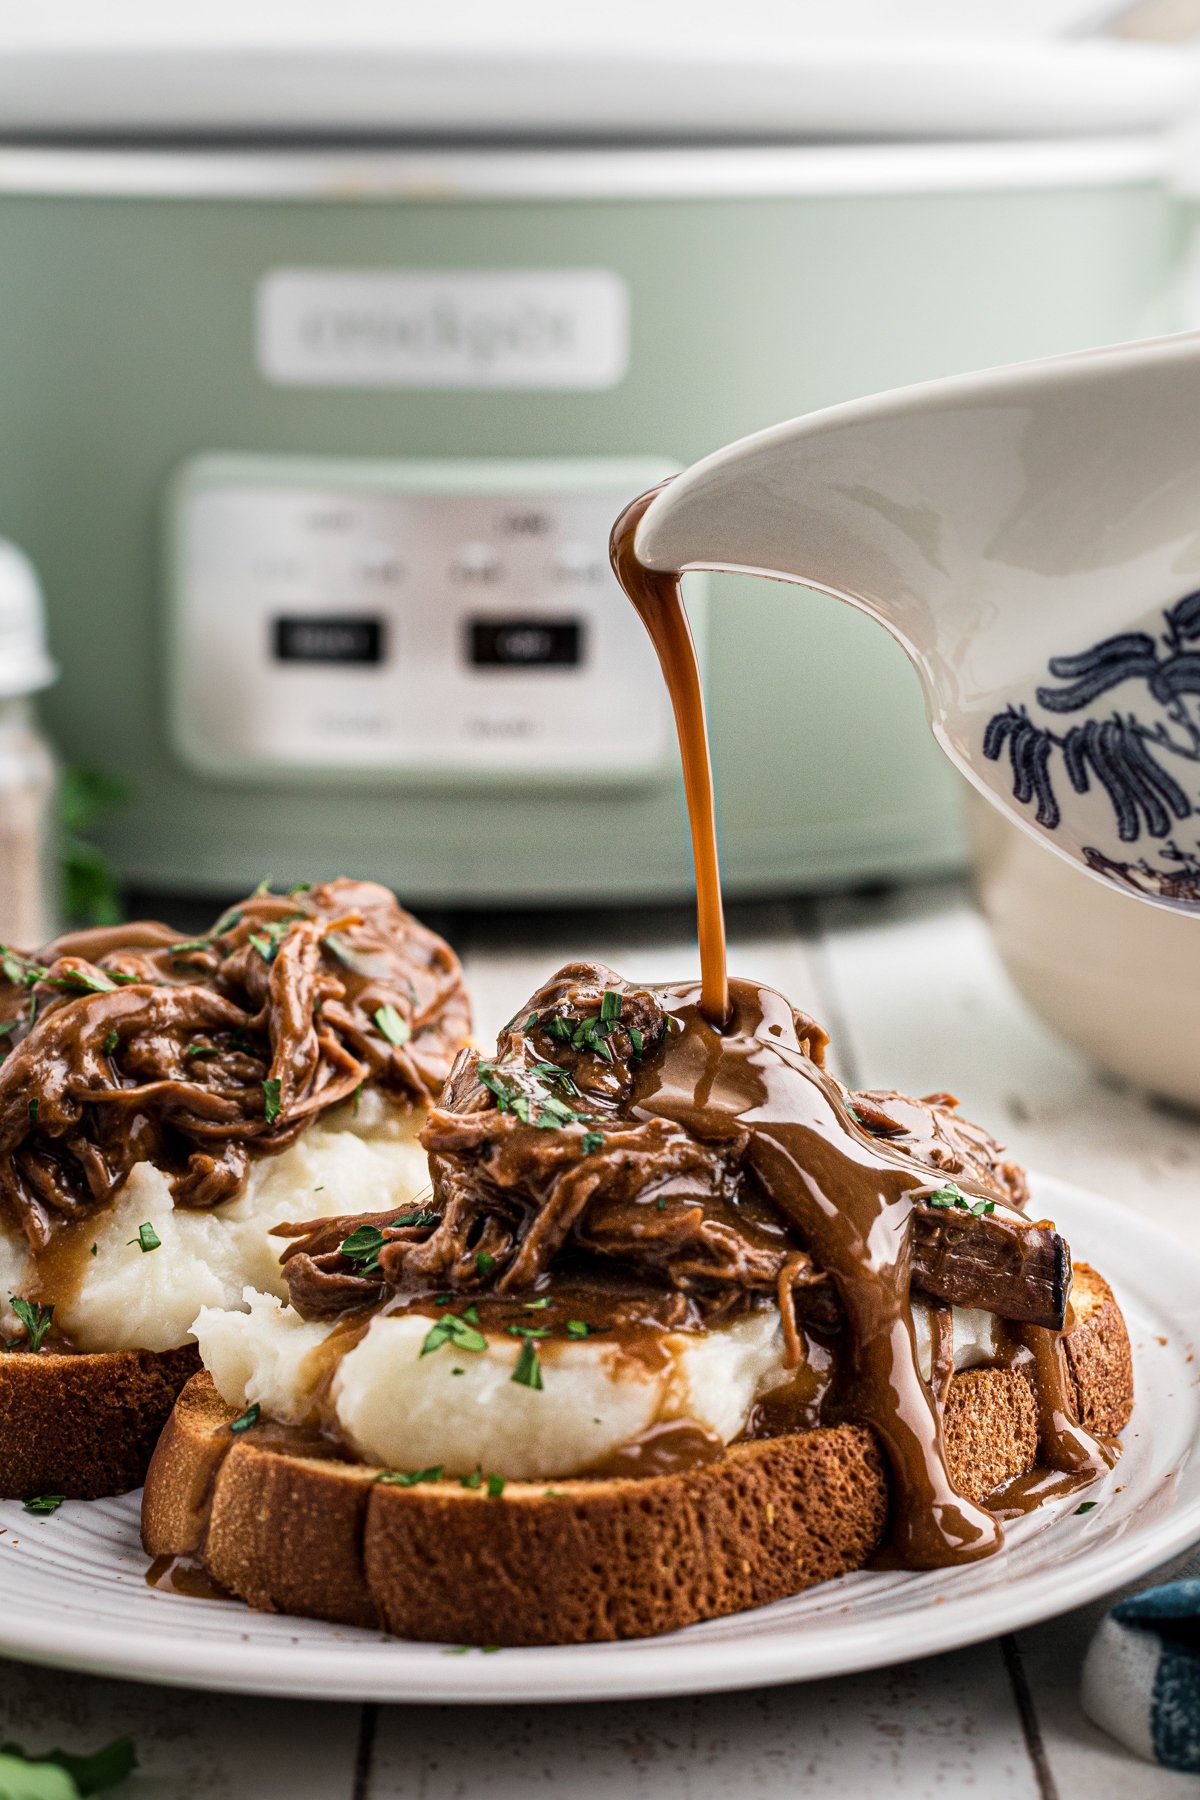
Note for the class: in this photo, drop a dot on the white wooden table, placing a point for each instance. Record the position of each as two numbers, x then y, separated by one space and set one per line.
914 998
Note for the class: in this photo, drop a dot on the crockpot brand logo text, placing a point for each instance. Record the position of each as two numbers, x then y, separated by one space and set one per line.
483 336
538 328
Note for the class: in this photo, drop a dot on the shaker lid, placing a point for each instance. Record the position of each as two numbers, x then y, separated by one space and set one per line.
25 662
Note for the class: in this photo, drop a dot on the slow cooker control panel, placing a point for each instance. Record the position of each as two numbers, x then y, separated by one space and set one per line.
448 619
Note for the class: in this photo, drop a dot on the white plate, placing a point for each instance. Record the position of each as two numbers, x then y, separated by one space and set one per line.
73 1591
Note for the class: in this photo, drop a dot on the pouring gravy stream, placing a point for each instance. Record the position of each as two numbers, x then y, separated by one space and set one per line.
744 1059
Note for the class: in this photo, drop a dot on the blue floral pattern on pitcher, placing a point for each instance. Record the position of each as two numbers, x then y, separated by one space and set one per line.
1146 761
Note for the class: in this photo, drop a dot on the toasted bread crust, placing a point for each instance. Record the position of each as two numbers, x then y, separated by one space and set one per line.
85 1425
581 1561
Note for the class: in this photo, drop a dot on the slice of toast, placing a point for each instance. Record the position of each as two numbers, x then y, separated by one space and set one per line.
85 1424
577 1561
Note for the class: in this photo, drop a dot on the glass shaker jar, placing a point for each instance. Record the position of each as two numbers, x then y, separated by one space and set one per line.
29 883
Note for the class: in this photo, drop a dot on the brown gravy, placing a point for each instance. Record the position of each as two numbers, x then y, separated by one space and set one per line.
184 1575
662 1449
737 1057
659 602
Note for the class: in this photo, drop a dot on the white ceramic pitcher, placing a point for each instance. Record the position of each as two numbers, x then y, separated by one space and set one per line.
1031 535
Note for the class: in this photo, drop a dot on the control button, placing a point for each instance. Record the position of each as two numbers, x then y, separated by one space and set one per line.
579 563
276 567
332 518
527 522
333 639
476 563
525 643
379 563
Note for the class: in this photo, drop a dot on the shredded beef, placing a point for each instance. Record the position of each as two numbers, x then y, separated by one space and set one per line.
543 1163
135 1043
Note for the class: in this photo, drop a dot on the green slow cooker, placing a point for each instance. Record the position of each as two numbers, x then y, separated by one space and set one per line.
322 379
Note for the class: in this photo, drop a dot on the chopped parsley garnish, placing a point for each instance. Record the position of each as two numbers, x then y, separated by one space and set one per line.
33 1111
421 1217
590 1032
198 1052
301 887
590 1142
7 1025
147 1237
556 1075
539 1305
357 1097
22 971
1085 1506
475 1480
577 1329
268 940
528 1371
357 961
35 1777
185 944
450 1329
528 1331
951 1195
43 1503
392 1478
471 1315
264 887
76 981
396 1030
531 1021
363 1247
94 1249
245 1420
272 1089
112 1041
526 1093
485 1262
34 1317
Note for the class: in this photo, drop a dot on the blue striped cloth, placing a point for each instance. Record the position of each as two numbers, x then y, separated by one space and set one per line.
1141 1678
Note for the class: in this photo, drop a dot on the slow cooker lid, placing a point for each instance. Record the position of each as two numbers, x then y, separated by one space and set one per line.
623 72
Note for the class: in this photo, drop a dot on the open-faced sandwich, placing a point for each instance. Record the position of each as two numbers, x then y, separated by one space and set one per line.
684 1328
163 1102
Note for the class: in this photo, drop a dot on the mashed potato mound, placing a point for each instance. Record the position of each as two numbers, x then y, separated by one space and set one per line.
462 1410
134 1299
